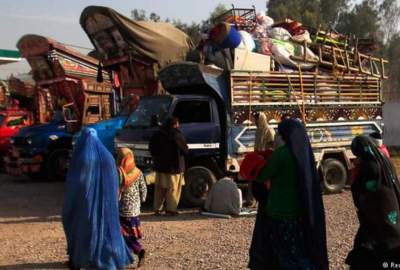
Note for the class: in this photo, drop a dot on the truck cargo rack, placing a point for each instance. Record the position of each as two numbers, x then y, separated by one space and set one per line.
242 18
292 89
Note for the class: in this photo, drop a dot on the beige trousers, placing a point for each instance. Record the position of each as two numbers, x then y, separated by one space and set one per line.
168 188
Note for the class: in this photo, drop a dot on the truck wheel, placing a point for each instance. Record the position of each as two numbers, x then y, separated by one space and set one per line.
334 175
57 164
198 182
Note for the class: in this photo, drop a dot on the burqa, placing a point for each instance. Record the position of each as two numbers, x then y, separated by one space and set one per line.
295 136
376 196
90 213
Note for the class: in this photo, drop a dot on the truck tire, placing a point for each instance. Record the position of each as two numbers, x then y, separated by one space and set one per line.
334 175
57 164
198 182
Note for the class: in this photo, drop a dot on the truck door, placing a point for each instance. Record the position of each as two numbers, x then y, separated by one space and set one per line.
199 123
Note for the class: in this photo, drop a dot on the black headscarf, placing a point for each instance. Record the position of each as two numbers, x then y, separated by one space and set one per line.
295 136
376 194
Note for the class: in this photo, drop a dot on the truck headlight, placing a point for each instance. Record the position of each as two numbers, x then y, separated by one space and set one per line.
12 141
29 141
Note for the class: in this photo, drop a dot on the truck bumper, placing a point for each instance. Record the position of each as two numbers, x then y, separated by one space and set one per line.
16 165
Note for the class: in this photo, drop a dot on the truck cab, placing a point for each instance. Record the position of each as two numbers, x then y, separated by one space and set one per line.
203 118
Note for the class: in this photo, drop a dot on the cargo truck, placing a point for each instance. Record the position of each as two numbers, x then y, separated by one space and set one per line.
216 110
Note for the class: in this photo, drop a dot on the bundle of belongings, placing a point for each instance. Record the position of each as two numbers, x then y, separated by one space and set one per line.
244 42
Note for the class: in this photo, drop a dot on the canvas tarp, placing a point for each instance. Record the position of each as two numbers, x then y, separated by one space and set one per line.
161 42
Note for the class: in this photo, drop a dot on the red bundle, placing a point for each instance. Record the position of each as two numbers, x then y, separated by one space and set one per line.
253 163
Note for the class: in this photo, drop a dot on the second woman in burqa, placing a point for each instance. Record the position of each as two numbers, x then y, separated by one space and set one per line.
294 231
376 196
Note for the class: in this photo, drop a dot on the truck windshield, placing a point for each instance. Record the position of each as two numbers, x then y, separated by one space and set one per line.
149 110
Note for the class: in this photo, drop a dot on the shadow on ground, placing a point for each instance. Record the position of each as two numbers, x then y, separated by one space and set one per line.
48 265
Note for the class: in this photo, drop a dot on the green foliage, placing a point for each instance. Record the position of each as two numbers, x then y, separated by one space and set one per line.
362 20
311 13
139 15
331 10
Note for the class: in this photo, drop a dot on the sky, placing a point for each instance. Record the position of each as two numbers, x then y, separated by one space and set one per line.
59 19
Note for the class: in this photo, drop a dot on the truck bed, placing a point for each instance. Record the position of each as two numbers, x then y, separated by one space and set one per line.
320 97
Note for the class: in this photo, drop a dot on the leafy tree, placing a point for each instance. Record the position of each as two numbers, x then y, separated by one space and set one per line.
331 10
154 17
362 20
311 13
392 86
389 18
139 15
305 11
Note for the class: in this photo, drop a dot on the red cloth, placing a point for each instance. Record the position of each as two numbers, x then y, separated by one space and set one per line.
384 150
253 163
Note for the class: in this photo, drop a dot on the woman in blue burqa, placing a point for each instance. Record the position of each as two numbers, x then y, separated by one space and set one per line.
90 214
294 235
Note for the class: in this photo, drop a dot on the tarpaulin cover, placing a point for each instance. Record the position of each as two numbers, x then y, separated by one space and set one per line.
90 214
159 41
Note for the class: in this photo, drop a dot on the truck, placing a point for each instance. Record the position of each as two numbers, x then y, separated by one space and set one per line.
70 79
11 120
216 108
133 52
12 115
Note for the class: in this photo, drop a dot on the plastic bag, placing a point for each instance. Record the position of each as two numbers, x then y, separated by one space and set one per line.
247 42
303 37
264 20
283 50
279 33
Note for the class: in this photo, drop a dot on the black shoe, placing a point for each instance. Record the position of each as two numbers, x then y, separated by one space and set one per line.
172 213
141 256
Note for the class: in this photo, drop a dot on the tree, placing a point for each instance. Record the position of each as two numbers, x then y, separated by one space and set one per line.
139 15
311 13
392 86
331 10
362 20
305 11
389 18
281 9
154 17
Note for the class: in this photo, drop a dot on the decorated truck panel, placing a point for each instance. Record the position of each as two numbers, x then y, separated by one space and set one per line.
77 98
133 52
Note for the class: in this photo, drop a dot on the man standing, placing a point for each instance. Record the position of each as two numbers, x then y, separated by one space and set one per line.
168 147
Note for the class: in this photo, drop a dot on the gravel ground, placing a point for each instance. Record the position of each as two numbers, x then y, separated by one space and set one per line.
31 234
32 237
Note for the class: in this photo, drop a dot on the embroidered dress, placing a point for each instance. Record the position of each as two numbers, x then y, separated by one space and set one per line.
133 191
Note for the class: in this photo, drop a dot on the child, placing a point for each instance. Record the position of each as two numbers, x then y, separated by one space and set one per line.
132 192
